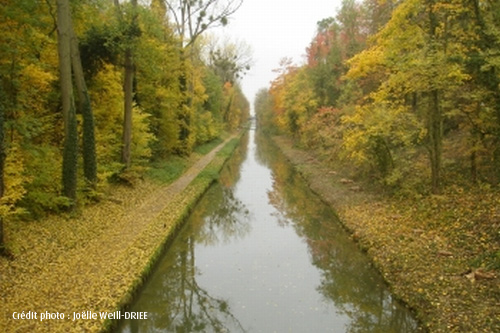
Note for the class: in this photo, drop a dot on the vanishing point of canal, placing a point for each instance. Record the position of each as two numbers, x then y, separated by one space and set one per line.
261 253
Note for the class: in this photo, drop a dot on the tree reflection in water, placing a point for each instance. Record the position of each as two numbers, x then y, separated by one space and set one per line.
175 302
347 277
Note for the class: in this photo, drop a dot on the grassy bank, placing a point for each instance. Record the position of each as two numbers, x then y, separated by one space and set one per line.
439 254
95 262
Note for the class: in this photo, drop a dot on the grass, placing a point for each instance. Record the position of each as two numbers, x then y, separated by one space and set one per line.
207 147
168 170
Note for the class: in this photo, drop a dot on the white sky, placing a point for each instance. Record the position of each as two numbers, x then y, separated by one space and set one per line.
275 29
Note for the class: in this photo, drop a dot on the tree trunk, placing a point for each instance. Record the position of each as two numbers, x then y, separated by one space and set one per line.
128 90
435 141
184 116
127 115
70 154
434 117
496 140
89 153
2 164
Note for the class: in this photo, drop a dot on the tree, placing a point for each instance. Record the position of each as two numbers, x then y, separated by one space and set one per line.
263 105
415 57
230 60
85 109
157 90
192 18
294 98
70 154
2 165
132 31
325 62
337 39
483 64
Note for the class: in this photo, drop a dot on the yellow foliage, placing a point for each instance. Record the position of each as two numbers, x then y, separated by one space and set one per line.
367 61
106 95
206 127
141 137
15 179
294 100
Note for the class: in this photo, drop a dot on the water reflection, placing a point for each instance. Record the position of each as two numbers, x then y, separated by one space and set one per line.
347 278
261 253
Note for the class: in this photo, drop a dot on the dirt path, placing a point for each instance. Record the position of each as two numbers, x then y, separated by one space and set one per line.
93 276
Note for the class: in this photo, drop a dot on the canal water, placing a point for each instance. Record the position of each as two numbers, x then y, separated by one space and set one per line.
261 253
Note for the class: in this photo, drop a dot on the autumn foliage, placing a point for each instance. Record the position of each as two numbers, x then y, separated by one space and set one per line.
410 81
177 101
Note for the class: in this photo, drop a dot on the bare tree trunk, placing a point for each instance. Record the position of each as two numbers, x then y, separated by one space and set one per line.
70 154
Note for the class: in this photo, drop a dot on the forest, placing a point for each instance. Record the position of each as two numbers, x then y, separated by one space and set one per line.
406 93
95 92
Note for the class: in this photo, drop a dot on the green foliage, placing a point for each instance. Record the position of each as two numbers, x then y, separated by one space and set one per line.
213 103
15 180
99 46
208 146
236 106
165 171
228 149
208 175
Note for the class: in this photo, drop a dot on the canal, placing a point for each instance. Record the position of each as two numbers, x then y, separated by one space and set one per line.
261 253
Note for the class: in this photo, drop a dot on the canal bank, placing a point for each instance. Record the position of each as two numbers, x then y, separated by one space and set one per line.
434 261
93 263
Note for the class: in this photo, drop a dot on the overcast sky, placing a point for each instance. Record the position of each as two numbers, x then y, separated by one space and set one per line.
276 29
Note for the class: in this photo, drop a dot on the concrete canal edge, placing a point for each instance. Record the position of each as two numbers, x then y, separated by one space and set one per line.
169 222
